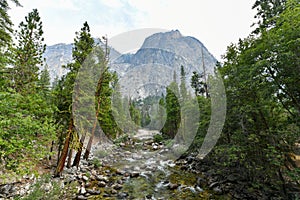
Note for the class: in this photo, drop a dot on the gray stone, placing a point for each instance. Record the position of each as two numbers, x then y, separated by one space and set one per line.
82 190
120 172
106 195
93 192
154 147
218 190
134 174
85 178
122 195
102 178
173 186
213 185
119 181
6 189
47 187
122 144
113 191
101 184
81 197
117 186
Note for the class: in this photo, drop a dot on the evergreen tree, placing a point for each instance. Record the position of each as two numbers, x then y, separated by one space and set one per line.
44 82
83 46
6 24
173 111
183 90
5 42
28 53
26 122
198 84
261 75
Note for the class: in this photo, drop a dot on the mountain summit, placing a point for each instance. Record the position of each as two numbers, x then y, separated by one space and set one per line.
158 61
152 68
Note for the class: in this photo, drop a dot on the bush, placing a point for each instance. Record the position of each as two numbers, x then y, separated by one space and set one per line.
158 138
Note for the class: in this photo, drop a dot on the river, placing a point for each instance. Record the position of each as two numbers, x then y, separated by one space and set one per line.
142 169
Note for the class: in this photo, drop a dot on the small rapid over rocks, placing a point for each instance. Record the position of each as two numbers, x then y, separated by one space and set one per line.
135 167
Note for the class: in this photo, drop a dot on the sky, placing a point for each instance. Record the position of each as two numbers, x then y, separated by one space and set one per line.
216 23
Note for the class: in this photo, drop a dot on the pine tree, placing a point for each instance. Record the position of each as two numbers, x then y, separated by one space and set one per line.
173 111
5 41
183 90
83 46
6 24
28 53
44 82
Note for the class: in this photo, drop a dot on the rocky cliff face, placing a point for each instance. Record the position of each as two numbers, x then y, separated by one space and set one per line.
56 56
61 54
151 68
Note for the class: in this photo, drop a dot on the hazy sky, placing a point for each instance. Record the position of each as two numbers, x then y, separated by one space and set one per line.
216 23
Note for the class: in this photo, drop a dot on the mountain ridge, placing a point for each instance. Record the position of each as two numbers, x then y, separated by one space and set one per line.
154 63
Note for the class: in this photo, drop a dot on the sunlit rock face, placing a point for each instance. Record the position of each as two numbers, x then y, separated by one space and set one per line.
148 71
151 68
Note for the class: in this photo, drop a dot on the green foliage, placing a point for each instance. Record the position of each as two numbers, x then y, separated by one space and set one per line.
5 42
28 53
26 129
83 45
198 84
96 161
203 124
135 114
5 25
158 138
173 111
261 75
268 12
26 117
183 90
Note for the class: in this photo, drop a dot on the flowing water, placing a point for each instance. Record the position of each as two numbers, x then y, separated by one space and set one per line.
151 173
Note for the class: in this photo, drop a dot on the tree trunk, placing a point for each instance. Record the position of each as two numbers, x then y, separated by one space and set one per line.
70 158
51 149
78 154
64 152
88 148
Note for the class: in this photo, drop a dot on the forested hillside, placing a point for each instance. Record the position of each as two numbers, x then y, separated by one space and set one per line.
62 141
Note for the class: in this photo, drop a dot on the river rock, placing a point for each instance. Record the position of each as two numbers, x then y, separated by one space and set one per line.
106 195
101 184
102 178
173 186
5 189
113 191
122 144
117 186
134 174
82 190
122 195
85 178
79 176
201 182
218 190
93 192
81 197
47 187
213 185
120 172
